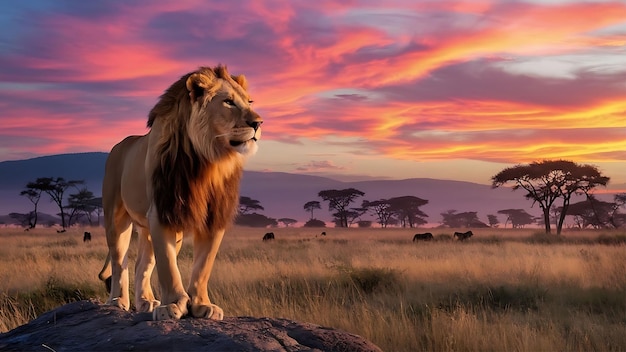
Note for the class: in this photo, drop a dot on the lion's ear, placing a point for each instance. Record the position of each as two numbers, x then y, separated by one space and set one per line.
197 85
241 80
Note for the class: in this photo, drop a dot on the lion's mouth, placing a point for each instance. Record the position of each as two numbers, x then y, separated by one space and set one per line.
238 143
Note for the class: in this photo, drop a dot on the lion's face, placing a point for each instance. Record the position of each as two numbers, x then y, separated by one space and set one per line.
222 120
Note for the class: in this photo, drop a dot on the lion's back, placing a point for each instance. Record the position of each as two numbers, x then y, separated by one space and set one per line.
124 175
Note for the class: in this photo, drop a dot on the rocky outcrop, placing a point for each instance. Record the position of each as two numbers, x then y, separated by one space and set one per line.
91 326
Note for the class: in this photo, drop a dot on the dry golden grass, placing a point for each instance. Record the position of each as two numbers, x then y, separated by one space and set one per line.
502 290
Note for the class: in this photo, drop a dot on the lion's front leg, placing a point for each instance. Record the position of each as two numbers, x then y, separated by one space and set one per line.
204 252
174 298
144 296
118 240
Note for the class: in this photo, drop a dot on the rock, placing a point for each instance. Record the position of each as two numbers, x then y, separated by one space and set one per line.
90 326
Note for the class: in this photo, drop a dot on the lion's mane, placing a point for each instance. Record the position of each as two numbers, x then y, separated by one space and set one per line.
187 186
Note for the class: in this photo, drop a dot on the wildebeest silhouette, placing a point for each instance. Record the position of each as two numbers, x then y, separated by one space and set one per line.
423 237
462 236
268 236
87 237
323 233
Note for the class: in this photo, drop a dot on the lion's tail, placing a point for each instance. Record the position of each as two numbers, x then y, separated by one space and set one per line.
106 273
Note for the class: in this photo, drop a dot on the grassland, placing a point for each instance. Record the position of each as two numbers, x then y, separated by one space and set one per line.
503 290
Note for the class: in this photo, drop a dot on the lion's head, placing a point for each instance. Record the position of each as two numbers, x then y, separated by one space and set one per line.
216 113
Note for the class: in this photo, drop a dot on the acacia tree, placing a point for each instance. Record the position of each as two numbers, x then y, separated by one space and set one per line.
592 212
55 187
618 219
312 205
407 210
34 195
287 221
247 204
548 180
340 200
81 203
493 220
518 217
466 219
380 209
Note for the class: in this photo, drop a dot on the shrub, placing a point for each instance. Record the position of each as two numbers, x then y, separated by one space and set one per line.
370 280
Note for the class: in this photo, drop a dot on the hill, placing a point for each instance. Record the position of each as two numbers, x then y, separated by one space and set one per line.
281 194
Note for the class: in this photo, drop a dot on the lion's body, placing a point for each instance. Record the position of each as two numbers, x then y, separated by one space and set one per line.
180 178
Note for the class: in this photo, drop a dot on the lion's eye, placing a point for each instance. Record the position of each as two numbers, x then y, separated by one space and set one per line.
229 102
250 102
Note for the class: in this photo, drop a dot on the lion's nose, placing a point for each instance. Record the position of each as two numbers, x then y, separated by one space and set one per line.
254 124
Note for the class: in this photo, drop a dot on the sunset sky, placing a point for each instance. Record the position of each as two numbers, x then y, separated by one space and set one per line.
353 89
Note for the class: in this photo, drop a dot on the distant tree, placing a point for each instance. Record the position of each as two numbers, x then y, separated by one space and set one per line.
591 213
380 209
315 223
340 200
287 221
364 224
351 215
255 220
548 180
493 220
55 187
80 204
311 206
23 219
468 219
33 193
247 204
406 209
518 217
618 219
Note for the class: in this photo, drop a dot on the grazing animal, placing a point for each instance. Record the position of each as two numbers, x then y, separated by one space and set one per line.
182 177
462 236
268 236
423 237
323 233
87 237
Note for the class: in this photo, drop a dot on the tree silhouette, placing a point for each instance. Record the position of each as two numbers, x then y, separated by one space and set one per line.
467 219
407 210
618 219
287 221
381 210
592 212
247 204
546 181
34 195
518 217
55 187
493 220
81 203
339 200
255 220
312 205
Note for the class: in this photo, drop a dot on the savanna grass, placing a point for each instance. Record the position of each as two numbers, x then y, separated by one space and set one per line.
501 290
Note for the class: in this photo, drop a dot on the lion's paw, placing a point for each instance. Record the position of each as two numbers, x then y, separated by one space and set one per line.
211 312
147 306
170 311
117 302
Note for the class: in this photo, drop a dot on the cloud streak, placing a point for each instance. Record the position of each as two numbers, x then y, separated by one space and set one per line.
496 81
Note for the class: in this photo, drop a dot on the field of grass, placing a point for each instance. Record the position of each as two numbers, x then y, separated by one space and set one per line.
502 290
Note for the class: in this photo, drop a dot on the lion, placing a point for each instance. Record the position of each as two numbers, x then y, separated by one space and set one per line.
182 177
